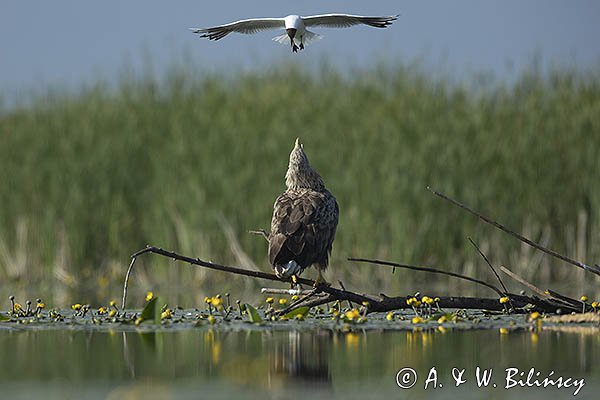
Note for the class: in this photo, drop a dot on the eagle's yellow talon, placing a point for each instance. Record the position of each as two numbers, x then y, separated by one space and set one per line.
320 281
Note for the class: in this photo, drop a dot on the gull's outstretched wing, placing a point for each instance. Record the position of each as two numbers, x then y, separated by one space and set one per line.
346 20
247 26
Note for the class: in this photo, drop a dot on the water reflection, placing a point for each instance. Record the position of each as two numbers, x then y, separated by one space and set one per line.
301 359
278 363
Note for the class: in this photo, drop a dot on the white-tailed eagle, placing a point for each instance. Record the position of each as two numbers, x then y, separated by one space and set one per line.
304 222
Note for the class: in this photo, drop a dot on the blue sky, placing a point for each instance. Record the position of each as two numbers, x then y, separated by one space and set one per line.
67 42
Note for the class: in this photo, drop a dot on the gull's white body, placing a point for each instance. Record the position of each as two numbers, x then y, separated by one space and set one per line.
294 21
295 26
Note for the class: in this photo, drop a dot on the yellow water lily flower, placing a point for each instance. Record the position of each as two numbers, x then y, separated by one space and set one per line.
216 301
352 314
149 296
534 315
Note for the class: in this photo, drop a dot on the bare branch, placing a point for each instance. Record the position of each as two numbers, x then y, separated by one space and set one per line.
260 232
523 282
489 263
218 267
297 303
328 294
427 269
522 238
126 283
289 292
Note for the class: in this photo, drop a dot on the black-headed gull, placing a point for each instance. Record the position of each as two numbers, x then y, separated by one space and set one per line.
295 26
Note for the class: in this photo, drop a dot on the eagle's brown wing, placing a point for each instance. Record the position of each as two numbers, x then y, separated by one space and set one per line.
303 228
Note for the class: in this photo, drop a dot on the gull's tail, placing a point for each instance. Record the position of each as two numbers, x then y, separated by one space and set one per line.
309 37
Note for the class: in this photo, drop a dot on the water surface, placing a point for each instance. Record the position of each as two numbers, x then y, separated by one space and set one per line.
207 362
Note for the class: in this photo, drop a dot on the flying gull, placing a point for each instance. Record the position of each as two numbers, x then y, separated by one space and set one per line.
295 27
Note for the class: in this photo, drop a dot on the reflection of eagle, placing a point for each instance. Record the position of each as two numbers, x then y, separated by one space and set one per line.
305 217
298 359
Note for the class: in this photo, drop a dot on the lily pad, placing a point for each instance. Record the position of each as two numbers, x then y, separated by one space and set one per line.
298 311
151 311
253 315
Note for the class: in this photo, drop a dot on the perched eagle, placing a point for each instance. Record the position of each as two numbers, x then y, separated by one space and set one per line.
304 221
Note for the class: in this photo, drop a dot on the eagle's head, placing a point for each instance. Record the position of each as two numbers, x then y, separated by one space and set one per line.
300 174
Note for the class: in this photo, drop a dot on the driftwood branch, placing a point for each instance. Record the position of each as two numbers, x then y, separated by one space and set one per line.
592 269
205 264
325 294
354 297
520 303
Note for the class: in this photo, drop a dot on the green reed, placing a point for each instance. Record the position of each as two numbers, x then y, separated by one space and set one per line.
190 162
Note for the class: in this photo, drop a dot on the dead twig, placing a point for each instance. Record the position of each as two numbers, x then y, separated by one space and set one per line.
260 232
288 292
126 283
297 303
569 300
489 263
523 282
592 269
205 264
343 288
428 269
543 294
